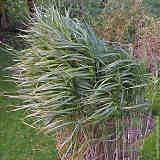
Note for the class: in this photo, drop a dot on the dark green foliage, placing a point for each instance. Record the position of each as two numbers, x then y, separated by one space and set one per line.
16 12
153 6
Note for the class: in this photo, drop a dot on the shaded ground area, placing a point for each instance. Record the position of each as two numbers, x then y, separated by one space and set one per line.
17 141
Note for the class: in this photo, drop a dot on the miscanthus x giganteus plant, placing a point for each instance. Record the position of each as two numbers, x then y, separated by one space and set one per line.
89 93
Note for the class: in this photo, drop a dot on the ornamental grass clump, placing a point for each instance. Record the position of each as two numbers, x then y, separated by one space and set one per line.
87 92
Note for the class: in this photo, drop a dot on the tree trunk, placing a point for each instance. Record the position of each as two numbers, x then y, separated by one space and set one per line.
30 4
4 20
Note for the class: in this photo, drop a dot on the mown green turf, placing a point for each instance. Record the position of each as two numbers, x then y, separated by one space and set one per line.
18 141
151 148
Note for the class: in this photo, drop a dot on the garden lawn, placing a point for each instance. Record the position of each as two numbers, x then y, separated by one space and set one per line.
18 141
151 148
